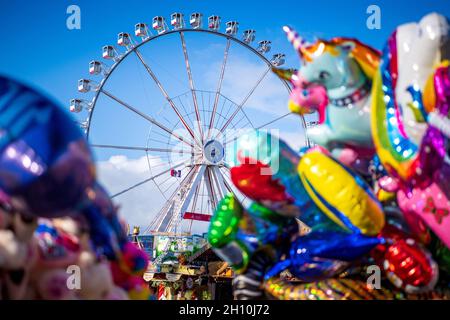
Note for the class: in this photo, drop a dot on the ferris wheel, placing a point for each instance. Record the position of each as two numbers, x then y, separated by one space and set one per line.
189 124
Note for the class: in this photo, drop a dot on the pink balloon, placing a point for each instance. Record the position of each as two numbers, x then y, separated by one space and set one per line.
430 204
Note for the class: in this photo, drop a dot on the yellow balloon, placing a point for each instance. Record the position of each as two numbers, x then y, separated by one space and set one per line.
340 194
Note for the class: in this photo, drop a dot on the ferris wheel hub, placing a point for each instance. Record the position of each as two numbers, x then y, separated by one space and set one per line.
213 152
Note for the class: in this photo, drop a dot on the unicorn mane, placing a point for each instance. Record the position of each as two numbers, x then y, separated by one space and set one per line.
367 57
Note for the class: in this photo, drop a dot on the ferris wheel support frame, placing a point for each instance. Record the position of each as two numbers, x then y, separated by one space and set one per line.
185 198
220 182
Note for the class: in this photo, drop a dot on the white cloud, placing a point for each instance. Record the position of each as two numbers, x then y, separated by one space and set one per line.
140 205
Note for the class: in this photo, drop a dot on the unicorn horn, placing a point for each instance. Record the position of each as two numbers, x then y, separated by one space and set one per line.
294 38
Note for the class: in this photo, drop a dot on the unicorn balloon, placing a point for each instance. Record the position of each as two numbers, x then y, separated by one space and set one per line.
344 68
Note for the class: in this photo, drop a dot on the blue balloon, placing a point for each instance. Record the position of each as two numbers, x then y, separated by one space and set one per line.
323 254
44 156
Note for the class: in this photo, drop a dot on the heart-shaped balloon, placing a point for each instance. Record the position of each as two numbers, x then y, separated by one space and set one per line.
431 205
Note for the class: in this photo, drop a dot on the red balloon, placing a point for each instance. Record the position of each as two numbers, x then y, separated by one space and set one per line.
391 234
250 181
410 267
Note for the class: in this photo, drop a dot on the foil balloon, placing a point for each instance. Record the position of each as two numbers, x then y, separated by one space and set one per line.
430 205
343 196
106 231
269 228
410 267
250 240
310 96
248 285
265 170
405 105
420 47
236 233
410 219
275 157
407 264
47 169
45 163
344 67
391 233
223 230
255 180
395 219
248 178
323 254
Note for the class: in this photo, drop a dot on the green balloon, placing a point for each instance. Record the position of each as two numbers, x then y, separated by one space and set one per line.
225 222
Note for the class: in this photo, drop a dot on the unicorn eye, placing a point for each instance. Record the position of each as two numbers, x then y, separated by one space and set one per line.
324 75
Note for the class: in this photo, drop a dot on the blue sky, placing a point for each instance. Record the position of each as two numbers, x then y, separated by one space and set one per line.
38 49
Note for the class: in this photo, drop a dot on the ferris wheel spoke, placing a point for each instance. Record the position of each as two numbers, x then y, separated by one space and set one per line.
219 87
273 121
218 177
224 116
166 96
148 180
247 117
239 121
106 146
146 117
241 105
226 183
191 85
186 112
210 187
